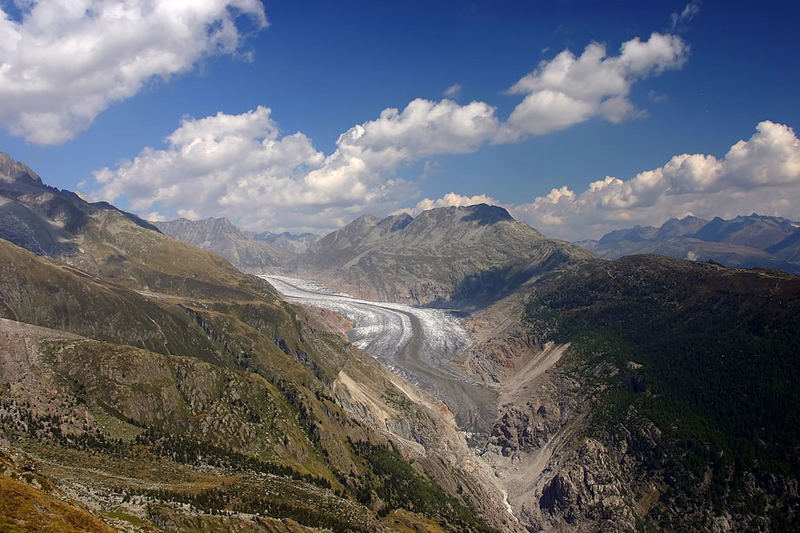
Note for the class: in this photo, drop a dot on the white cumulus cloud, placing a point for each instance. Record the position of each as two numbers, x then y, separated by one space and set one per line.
241 166
66 61
570 89
761 174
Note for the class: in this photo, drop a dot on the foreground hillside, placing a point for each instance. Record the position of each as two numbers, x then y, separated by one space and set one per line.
147 384
671 404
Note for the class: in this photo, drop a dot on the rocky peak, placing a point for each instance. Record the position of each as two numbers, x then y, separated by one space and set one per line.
352 233
364 221
12 171
396 222
482 214
679 227
485 214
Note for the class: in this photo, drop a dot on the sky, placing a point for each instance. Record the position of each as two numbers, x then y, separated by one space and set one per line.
578 117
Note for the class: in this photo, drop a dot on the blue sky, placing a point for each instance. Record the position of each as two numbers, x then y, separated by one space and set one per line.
322 68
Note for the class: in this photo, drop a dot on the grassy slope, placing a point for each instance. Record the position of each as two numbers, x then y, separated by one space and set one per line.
129 255
25 508
237 380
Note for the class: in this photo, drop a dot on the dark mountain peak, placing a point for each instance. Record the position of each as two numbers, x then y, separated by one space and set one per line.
12 171
635 234
396 222
485 214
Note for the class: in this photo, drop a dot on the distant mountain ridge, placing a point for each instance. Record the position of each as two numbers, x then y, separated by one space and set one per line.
443 256
744 241
220 236
297 243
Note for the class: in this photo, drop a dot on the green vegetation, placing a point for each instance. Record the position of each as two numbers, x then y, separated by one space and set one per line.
398 486
197 453
242 499
710 356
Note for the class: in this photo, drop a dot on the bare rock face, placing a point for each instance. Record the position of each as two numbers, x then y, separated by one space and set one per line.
445 256
589 488
15 171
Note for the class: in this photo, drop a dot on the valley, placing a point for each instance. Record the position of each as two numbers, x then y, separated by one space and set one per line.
415 342
568 393
392 267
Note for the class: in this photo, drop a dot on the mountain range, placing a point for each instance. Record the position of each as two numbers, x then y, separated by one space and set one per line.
297 243
259 253
745 241
449 256
146 384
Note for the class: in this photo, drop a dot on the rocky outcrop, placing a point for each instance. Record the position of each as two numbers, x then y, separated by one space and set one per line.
616 433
